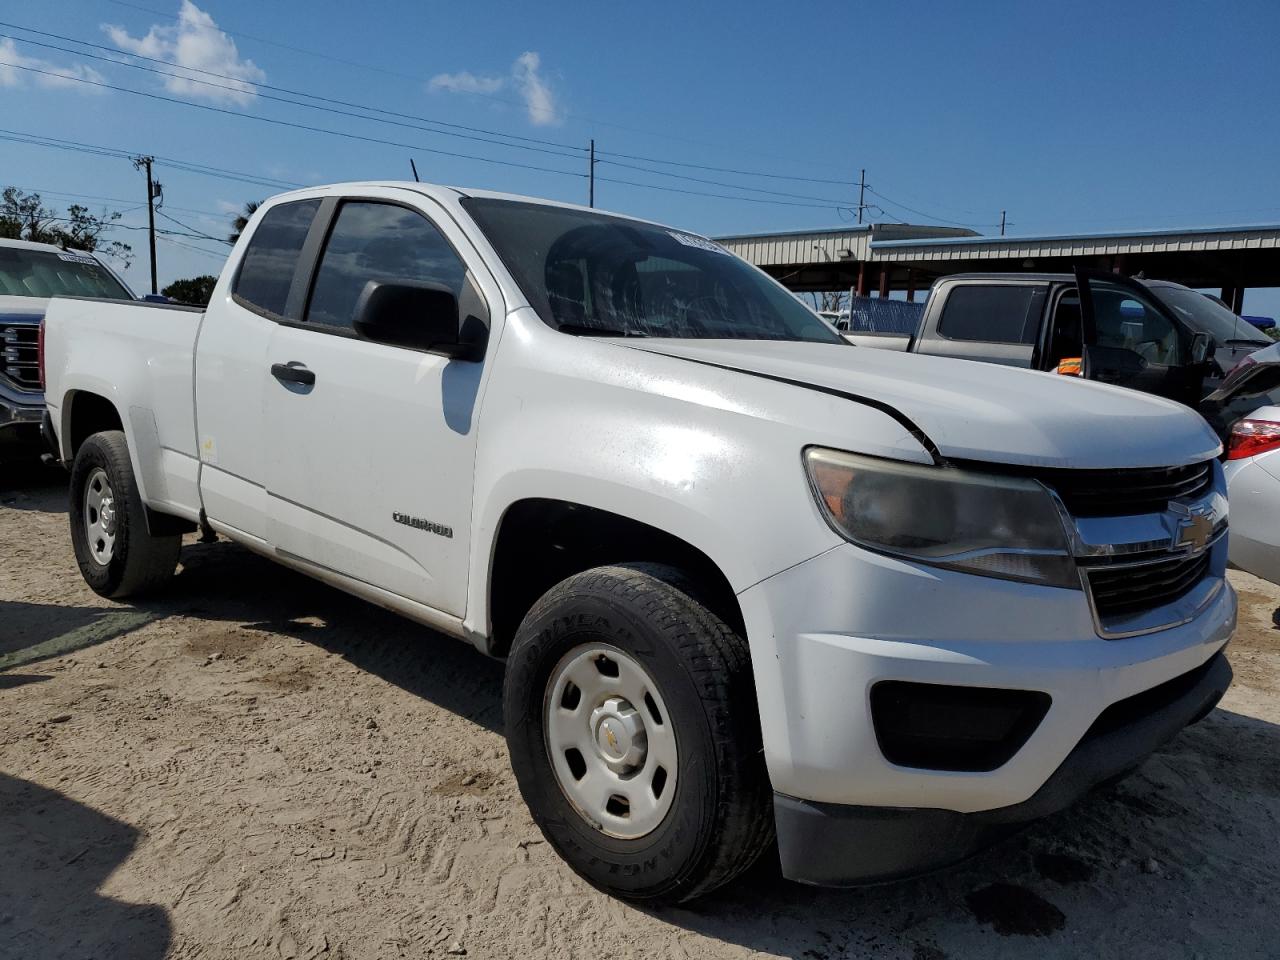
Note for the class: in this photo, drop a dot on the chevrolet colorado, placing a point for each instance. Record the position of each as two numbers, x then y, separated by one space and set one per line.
747 579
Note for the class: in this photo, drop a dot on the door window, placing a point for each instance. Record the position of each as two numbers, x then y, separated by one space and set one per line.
378 241
266 273
1126 321
997 313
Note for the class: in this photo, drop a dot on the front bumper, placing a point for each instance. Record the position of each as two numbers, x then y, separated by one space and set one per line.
841 845
825 632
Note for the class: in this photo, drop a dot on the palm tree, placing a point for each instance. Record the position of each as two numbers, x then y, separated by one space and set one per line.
242 220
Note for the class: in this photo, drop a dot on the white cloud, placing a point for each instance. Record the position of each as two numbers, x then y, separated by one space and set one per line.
526 79
55 77
465 82
196 43
538 98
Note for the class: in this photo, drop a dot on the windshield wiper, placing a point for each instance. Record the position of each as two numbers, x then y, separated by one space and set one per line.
1263 343
587 330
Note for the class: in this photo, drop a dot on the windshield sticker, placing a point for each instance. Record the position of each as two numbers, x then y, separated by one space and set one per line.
691 241
76 258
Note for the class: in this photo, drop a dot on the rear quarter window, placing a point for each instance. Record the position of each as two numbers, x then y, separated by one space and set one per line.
266 272
991 314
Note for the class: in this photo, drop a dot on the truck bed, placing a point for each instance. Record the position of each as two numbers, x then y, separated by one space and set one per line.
140 355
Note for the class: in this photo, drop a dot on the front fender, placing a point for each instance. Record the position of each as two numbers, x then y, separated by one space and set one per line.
708 456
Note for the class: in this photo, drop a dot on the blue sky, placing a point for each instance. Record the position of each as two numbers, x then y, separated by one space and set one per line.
1071 117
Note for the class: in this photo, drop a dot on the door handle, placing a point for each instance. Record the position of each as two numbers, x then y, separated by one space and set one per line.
293 372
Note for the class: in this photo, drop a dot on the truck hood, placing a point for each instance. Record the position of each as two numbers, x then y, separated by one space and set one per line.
977 411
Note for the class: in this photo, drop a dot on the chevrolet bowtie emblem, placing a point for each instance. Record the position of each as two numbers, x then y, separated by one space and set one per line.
1193 533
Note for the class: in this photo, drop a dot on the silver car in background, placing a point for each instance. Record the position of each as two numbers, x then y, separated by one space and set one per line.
1246 412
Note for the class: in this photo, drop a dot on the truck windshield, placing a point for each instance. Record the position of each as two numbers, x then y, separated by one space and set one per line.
1203 315
595 274
46 273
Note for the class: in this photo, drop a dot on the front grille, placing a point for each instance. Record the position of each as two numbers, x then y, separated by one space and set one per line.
21 361
1134 588
1113 493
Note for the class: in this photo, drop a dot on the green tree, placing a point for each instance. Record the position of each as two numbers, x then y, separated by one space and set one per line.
23 216
196 290
241 220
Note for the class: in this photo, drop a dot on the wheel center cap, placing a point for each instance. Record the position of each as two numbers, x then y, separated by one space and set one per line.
619 735
612 739
107 510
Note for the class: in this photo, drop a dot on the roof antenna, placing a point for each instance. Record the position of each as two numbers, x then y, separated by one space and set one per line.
414 167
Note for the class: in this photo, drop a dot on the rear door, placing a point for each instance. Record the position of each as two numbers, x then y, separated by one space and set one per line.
372 446
230 374
1131 339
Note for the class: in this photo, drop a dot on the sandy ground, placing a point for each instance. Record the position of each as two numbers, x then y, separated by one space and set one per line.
259 766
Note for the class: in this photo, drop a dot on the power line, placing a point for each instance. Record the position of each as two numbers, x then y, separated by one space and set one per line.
238 86
266 86
192 246
284 123
90 196
160 231
903 206
488 96
19 136
393 143
274 43
194 231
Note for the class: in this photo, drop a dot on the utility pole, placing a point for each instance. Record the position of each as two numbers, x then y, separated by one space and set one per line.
153 191
862 186
1002 223
591 176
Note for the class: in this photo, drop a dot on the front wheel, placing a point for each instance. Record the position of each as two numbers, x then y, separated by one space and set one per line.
634 735
117 555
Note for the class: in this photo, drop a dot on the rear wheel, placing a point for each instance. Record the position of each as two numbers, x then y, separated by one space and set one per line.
634 735
116 554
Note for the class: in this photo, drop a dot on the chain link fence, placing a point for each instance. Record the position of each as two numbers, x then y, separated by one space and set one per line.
877 315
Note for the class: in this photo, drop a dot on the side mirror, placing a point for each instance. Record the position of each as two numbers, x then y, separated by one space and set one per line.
1201 346
421 315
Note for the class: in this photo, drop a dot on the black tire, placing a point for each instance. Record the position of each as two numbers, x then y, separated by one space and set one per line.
139 562
721 815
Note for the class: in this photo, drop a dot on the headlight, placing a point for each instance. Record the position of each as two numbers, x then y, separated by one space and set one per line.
995 526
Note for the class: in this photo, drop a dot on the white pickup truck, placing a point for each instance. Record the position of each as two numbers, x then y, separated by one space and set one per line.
747 578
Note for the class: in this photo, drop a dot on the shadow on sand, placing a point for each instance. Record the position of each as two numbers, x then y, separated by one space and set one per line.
57 854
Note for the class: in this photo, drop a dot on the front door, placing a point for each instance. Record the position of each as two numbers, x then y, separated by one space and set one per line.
373 445
1132 341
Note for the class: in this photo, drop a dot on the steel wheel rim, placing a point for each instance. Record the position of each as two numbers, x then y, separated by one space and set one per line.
610 740
100 516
